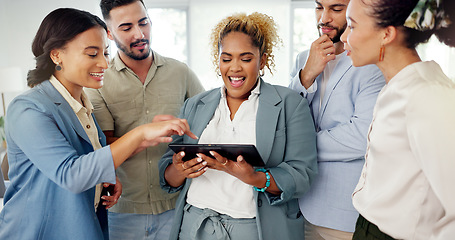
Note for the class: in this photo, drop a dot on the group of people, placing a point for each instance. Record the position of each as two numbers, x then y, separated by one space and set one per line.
359 146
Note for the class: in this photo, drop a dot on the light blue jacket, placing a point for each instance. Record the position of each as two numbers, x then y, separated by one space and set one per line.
52 169
285 139
342 125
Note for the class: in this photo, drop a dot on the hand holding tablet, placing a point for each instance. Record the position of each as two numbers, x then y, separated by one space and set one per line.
230 151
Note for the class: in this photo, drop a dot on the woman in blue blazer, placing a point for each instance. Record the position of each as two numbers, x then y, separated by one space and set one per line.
228 198
56 151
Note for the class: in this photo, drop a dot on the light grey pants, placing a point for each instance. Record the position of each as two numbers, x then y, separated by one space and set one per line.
207 224
313 232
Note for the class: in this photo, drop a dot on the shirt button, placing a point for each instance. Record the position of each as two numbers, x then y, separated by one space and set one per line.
147 111
88 126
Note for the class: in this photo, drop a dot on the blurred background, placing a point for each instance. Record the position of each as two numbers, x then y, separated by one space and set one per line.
180 29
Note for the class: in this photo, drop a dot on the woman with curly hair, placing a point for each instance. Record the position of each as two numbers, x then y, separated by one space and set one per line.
225 198
406 187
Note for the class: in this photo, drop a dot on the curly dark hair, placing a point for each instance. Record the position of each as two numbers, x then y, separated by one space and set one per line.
260 27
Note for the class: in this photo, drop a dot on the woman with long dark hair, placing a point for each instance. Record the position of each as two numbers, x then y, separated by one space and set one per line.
406 187
57 154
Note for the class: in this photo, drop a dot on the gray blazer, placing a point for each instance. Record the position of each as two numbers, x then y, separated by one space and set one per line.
286 140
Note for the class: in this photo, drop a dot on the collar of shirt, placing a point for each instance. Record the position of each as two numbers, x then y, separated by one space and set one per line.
75 105
255 91
120 65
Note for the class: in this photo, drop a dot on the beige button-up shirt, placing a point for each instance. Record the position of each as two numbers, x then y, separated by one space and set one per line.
84 114
124 103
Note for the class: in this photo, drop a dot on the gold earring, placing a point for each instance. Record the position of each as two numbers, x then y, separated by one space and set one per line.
381 53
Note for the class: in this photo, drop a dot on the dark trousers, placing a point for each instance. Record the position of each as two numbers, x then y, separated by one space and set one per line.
101 213
365 230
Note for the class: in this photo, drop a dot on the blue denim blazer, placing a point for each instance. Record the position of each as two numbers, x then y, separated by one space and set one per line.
52 169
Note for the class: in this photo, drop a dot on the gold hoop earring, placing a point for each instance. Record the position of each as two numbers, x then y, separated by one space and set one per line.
381 53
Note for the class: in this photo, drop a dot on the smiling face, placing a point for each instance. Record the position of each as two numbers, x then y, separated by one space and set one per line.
362 38
331 17
83 61
240 62
130 27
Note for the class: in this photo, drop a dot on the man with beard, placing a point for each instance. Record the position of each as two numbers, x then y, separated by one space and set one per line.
341 99
139 85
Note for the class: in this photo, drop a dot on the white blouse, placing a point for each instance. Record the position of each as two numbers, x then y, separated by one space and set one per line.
218 190
407 182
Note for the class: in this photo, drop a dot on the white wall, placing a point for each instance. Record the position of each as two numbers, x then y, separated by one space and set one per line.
3 59
20 20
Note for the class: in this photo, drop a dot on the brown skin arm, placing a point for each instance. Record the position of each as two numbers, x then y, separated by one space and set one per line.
241 170
110 133
146 135
321 52
178 171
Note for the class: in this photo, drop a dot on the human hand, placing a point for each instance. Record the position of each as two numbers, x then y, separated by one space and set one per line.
321 52
162 117
239 169
178 171
114 190
162 130
189 169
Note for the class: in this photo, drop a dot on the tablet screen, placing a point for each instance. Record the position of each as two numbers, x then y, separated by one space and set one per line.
229 151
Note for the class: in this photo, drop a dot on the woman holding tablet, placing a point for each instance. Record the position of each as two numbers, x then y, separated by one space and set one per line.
228 198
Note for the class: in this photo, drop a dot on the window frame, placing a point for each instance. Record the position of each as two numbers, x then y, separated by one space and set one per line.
294 5
183 5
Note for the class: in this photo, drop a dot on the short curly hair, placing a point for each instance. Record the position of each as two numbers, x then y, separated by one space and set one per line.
261 28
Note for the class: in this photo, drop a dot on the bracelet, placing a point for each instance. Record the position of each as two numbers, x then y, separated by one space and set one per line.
267 183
